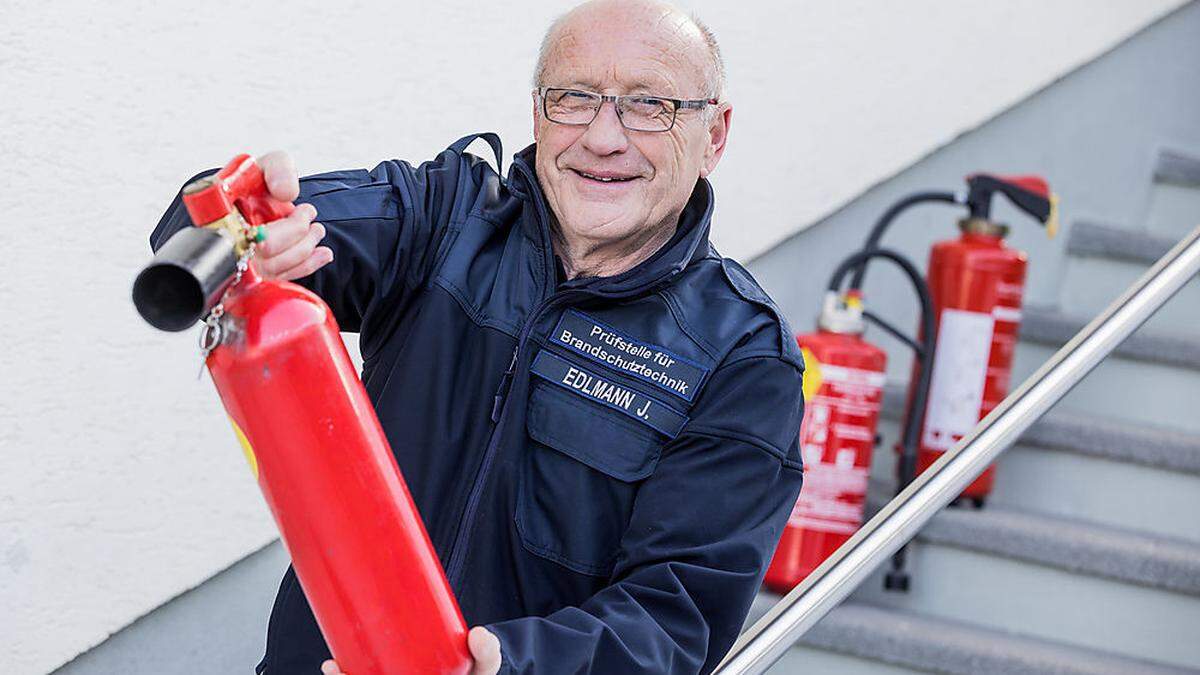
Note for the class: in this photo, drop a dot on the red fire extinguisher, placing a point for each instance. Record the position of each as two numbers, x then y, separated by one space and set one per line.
977 283
309 433
970 314
843 389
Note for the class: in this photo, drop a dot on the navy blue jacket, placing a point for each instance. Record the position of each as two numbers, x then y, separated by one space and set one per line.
604 464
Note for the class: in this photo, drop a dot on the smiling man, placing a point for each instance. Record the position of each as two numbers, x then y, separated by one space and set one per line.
596 413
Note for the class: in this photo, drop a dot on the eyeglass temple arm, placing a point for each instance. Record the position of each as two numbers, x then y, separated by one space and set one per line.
697 104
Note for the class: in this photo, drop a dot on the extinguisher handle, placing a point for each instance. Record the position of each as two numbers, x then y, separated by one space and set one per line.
239 184
1029 193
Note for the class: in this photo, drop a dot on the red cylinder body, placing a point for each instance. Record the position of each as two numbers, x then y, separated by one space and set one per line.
313 441
844 379
316 449
976 284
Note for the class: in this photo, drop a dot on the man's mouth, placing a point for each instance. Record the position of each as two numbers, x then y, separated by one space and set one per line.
605 177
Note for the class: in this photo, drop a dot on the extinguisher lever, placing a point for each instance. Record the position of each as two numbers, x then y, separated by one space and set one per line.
1030 193
239 184
247 184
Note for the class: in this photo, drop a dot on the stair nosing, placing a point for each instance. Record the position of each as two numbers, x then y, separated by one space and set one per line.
1093 436
1071 545
1174 167
1093 239
1049 326
922 642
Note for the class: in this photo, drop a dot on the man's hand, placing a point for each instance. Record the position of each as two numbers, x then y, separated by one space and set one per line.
484 646
291 250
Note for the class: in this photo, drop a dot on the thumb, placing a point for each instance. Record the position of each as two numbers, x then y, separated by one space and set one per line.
279 172
485 647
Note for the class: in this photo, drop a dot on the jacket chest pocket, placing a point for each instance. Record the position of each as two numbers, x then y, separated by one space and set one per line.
582 470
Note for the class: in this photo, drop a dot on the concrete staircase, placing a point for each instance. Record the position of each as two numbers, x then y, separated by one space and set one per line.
1094 523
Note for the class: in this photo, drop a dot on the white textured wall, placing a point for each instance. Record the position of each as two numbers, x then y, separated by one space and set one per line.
120 482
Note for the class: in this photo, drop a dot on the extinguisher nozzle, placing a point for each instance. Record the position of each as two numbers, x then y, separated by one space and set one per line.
185 279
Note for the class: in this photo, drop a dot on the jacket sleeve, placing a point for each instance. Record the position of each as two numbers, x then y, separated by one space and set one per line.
384 227
700 537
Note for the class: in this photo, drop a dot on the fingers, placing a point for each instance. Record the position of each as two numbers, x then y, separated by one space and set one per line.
485 648
282 234
298 252
331 667
280 174
319 258
290 250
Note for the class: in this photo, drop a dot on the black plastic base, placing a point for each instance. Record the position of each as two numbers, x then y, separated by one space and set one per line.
968 502
896 580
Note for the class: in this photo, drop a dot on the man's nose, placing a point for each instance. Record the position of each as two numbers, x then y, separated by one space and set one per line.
605 135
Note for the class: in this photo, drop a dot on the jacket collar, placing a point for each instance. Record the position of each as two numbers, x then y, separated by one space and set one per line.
689 243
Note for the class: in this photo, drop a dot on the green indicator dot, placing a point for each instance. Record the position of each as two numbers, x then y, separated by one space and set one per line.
260 234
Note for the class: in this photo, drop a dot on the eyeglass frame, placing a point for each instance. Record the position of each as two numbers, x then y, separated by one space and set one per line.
679 103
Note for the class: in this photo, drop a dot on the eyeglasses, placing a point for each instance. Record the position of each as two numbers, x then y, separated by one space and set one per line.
637 112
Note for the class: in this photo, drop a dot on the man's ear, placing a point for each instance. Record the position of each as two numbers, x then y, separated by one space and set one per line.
536 117
718 134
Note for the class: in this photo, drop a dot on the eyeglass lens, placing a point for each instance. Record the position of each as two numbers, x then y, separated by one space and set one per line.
637 113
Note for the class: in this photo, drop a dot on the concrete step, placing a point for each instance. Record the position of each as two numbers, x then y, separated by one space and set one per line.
1084 434
1174 206
1085 467
1151 379
1103 261
862 638
1056 580
802 660
1049 326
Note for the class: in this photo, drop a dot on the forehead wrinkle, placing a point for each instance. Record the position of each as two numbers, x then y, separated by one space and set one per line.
689 32
692 52
675 36
628 80
668 38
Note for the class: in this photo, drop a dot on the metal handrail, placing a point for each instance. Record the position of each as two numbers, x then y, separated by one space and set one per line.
771 636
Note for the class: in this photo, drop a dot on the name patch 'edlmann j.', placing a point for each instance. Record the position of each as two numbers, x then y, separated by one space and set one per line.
652 363
592 386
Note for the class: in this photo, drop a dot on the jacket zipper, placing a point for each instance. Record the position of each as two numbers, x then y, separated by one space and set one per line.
505 383
458 551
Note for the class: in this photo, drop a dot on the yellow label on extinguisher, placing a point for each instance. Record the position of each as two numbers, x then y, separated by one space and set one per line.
812 374
249 451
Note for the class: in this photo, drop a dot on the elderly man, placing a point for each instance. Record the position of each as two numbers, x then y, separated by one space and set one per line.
596 414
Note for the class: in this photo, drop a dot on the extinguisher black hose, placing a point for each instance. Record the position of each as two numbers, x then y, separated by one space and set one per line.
894 332
897 578
885 221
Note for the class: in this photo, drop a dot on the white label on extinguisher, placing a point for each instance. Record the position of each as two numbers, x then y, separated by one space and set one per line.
852 376
1010 314
960 361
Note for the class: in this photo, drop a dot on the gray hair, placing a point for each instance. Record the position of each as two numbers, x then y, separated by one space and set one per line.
714 76
714 71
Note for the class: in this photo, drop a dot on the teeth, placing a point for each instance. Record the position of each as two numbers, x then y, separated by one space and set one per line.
601 178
